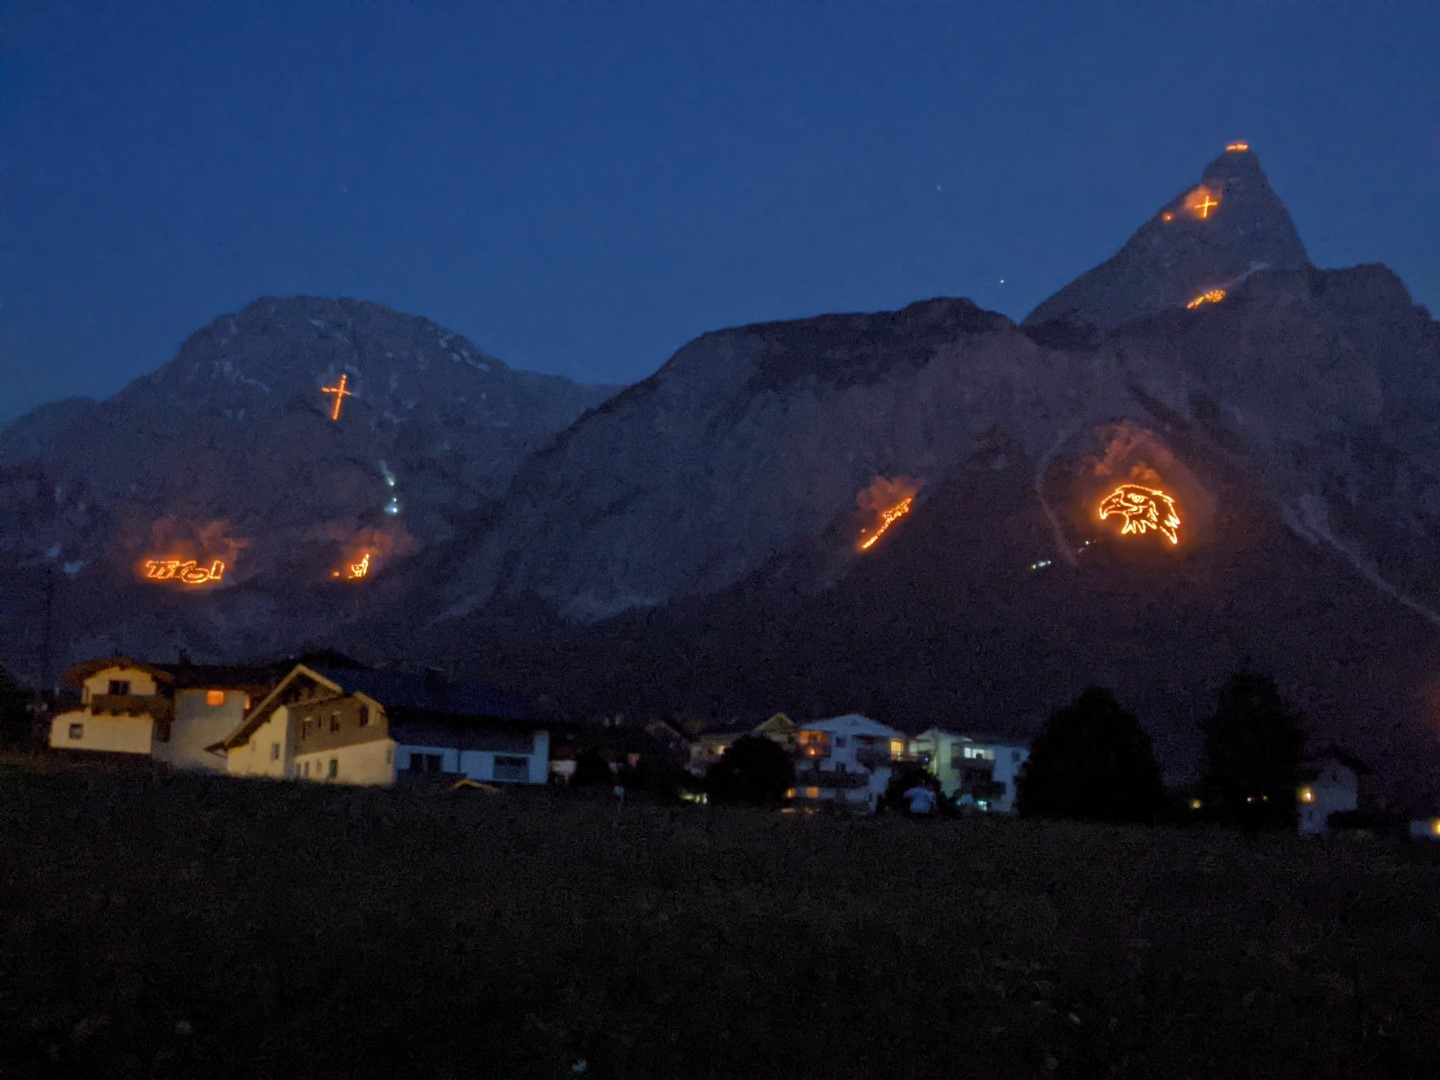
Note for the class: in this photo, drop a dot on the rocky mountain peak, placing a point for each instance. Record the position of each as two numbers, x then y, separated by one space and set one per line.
1205 240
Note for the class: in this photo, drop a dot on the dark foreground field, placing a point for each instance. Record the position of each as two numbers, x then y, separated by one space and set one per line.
209 928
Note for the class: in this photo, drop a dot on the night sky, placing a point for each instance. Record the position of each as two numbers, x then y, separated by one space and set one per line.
582 187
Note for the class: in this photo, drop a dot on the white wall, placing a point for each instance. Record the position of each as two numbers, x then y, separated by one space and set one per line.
255 757
112 734
480 764
142 683
197 725
369 764
1337 788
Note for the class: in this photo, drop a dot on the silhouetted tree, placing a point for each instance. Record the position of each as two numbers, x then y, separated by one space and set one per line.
1253 749
591 768
1092 762
16 723
752 770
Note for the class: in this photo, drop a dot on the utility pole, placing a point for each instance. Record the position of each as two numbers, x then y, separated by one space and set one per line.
47 676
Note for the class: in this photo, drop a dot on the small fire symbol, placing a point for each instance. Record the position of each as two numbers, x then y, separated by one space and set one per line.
355 571
1143 509
1213 296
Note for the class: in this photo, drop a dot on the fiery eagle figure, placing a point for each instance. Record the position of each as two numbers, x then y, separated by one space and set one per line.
1143 509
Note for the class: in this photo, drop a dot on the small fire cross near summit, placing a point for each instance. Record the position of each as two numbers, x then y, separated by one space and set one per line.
1143 509
340 394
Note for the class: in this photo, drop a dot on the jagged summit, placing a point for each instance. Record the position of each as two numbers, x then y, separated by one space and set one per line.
1208 237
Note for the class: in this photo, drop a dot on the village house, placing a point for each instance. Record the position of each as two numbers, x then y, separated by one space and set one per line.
978 770
710 746
169 713
1329 784
355 725
834 753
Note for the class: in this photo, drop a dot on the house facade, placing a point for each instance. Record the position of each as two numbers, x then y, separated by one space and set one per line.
850 746
709 747
976 769
362 726
170 713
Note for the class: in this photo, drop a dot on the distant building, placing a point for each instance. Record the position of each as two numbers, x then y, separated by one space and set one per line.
1329 784
832 753
979 770
710 746
169 713
355 725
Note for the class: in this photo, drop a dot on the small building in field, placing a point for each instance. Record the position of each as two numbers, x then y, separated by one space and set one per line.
358 725
977 769
1329 784
169 713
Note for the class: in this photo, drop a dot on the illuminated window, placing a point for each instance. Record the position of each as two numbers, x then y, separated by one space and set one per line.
214 698
119 687
77 731
1307 794
812 792
897 747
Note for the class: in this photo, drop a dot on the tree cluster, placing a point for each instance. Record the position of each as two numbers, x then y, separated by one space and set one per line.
1094 762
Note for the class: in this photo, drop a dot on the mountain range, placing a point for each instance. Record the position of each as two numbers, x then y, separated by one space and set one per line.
898 513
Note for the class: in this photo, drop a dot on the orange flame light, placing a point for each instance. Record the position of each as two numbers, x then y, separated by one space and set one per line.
355 571
1213 296
340 395
887 518
187 571
1238 147
1143 509
1202 201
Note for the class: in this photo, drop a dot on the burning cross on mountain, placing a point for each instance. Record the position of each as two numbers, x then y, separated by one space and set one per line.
1205 205
340 395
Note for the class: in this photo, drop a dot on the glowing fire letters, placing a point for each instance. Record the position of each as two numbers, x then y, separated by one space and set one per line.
1213 296
340 395
188 571
1143 509
888 518
354 571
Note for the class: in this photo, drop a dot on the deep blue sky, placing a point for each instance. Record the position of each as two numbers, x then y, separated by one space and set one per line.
582 187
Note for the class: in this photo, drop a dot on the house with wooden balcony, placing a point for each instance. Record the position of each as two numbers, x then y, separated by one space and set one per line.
168 713
974 769
847 746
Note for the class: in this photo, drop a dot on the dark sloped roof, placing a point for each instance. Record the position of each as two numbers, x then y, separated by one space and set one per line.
226 676
414 691
77 675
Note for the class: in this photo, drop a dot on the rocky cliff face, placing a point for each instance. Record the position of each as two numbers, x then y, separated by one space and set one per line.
230 452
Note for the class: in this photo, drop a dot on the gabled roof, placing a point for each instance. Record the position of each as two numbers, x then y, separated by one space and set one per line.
261 712
77 675
249 677
853 722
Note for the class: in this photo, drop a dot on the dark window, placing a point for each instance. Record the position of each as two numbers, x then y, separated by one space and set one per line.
424 763
839 740
274 751
334 769
512 768
334 721
120 687
77 731
306 769
365 716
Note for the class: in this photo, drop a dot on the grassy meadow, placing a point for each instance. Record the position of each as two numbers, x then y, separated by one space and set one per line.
202 927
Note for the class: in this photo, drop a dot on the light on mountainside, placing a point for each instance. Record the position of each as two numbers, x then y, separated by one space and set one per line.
1142 509
1238 147
1202 202
1212 296
186 571
885 502
340 394
354 571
